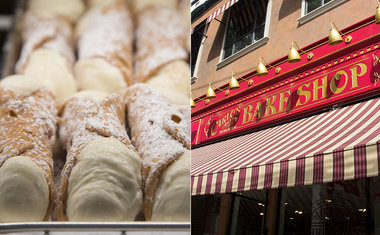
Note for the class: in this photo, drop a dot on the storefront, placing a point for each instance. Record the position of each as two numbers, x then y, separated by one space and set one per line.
296 150
344 207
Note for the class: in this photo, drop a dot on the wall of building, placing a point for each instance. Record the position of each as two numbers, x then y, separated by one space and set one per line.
284 28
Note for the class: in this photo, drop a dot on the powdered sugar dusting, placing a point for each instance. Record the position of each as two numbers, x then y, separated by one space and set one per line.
148 111
160 39
186 113
109 35
179 126
54 34
82 121
27 129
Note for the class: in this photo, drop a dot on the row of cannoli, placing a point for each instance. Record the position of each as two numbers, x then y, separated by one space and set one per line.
104 37
107 176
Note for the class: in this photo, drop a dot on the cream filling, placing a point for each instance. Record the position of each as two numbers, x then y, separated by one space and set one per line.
140 5
95 3
172 81
70 9
24 192
172 196
105 184
20 84
84 21
179 72
175 97
99 75
96 96
49 69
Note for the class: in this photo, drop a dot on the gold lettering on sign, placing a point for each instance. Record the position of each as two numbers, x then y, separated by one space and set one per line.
376 60
315 90
247 115
318 86
377 75
305 93
206 127
270 109
283 100
225 121
334 88
355 74
258 112
213 132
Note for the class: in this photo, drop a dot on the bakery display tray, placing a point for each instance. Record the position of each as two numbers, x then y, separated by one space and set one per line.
123 228
8 57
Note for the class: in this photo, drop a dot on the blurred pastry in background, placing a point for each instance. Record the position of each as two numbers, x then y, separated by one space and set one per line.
172 81
105 48
155 46
70 10
141 5
47 54
161 56
95 3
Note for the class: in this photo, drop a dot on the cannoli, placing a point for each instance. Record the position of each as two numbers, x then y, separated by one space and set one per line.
172 81
47 55
160 37
101 180
27 132
140 5
70 10
105 47
164 153
176 128
95 3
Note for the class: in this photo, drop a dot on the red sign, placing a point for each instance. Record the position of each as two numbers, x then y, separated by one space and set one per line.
336 82
194 131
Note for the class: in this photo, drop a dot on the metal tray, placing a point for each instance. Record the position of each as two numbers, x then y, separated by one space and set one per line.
122 228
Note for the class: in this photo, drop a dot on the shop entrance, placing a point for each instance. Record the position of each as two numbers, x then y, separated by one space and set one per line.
344 207
336 208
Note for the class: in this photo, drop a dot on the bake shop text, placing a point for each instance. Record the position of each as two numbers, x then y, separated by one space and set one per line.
327 86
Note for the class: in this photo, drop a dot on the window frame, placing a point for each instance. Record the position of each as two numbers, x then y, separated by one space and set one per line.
200 49
225 61
306 17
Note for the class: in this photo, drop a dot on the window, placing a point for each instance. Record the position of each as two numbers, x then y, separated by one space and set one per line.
311 9
196 40
246 25
311 5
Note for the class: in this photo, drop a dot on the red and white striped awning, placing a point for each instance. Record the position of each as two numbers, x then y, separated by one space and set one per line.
342 144
221 10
